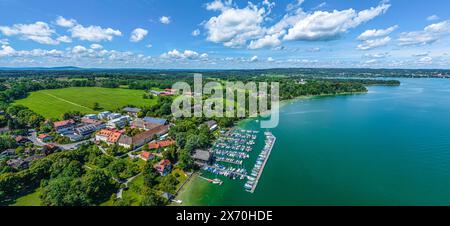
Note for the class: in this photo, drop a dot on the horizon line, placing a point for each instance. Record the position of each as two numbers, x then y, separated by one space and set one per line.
62 68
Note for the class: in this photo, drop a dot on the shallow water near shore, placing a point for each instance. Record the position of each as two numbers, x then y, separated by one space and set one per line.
390 146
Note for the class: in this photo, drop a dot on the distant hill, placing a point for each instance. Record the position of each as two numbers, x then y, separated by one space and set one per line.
42 68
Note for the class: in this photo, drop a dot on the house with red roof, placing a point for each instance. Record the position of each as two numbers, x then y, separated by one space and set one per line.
145 155
160 144
45 137
49 149
163 167
108 136
21 140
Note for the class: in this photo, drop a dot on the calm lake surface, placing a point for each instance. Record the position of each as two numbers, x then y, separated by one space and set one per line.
390 146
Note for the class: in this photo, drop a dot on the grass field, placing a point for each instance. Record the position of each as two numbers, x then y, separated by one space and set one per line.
54 103
31 199
132 192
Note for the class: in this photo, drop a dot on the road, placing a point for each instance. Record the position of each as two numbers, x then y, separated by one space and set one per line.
130 152
120 192
33 138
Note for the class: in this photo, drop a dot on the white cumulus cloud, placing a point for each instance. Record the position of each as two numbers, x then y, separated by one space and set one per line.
96 46
6 51
376 33
187 54
165 20
322 25
374 43
64 38
428 35
63 22
91 33
433 17
79 49
39 32
246 27
195 32
138 34
94 33
234 27
266 41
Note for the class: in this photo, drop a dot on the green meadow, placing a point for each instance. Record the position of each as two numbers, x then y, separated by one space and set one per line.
31 199
54 103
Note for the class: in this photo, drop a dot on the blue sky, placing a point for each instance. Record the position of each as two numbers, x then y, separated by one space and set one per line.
225 33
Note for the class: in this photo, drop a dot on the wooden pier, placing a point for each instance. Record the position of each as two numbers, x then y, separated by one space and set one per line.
226 161
224 171
263 165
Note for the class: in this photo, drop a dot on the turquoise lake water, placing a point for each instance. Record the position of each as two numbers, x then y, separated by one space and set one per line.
390 146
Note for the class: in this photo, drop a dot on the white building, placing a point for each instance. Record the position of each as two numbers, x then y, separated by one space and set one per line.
91 116
114 116
118 123
104 115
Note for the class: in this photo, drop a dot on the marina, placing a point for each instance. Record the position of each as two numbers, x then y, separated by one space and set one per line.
230 172
234 147
258 169
232 152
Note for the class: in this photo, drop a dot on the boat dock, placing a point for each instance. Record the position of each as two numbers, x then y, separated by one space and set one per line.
233 173
232 149
251 185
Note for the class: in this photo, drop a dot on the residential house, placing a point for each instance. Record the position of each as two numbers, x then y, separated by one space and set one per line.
163 167
64 126
132 111
49 149
145 155
155 145
45 137
21 140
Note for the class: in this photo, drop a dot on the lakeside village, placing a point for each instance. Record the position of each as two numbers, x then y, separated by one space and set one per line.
105 129
124 134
